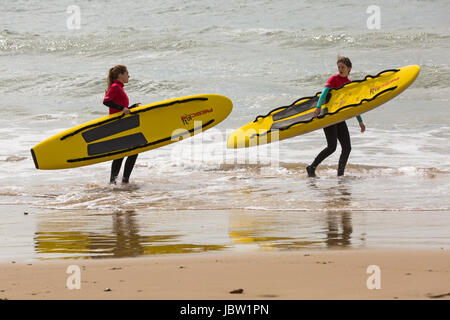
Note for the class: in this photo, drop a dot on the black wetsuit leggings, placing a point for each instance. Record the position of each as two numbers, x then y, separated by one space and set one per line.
333 133
115 168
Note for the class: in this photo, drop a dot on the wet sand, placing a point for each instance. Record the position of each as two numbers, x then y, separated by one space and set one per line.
324 274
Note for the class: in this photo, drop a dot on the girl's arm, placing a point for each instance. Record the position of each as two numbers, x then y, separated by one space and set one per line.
117 106
322 97
113 105
361 124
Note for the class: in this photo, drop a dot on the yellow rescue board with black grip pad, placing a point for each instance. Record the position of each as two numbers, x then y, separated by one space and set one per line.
118 135
342 103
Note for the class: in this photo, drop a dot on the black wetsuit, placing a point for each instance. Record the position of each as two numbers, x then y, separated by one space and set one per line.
129 165
334 133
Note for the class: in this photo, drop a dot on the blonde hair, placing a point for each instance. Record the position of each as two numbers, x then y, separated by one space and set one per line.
113 74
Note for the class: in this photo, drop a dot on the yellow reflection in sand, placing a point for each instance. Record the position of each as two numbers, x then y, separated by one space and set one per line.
78 245
253 231
124 240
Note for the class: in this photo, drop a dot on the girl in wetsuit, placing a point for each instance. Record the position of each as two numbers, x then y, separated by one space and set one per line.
338 131
117 100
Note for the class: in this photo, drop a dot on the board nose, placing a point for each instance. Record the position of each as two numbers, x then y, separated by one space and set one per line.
415 68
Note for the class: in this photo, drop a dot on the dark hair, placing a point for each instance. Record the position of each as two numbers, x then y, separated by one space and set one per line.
113 74
345 61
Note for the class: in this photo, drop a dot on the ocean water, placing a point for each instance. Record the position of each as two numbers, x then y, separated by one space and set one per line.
195 195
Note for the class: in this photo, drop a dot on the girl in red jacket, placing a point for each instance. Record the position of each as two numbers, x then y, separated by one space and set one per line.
117 100
338 131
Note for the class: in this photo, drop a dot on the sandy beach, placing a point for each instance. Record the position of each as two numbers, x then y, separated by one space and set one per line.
331 274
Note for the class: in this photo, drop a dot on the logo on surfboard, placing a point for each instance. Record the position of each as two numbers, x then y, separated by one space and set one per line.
186 118
377 88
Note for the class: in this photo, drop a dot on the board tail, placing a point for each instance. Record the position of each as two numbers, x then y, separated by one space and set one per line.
34 159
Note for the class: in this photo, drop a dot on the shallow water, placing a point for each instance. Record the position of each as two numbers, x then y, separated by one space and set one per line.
61 234
196 195
227 210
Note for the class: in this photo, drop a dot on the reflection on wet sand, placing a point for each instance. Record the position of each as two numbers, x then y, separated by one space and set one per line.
130 233
123 240
334 237
255 230
338 197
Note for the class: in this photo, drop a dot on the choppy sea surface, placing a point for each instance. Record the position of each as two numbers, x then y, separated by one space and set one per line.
195 195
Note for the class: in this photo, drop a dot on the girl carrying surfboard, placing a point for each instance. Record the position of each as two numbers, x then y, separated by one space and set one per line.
117 100
338 131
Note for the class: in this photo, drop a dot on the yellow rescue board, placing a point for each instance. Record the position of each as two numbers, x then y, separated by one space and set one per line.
342 103
146 127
